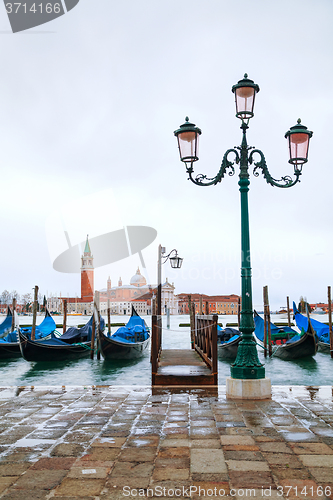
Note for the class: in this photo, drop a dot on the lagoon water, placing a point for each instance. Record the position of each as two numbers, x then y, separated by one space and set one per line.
314 371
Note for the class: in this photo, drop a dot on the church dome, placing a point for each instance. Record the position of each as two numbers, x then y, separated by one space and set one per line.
138 279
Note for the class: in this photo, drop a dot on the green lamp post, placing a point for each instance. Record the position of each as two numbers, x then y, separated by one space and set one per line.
247 364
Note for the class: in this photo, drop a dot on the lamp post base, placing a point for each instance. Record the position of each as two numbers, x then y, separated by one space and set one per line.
248 388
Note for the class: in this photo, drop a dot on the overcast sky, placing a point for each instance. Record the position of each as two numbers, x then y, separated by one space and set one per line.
89 103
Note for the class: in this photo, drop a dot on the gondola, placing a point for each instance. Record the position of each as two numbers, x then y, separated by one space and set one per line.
128 342
75 343
227 343
52 349
287 344
6 325
321 330
10 345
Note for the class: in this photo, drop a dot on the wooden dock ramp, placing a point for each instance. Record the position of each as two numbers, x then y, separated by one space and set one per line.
186 367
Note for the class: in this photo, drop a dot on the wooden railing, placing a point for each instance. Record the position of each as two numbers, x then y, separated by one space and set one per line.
205 341
156 344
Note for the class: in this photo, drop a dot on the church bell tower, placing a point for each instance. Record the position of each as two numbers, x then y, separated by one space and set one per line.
87 274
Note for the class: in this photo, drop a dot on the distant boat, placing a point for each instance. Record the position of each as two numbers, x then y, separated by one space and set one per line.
75 343
128 342
287 344
10 346
318 310
322 330
228 340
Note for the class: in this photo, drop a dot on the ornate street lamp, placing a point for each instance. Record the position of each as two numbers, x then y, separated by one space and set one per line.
175 262
247 364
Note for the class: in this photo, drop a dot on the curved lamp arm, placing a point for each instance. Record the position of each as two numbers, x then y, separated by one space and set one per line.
166 257
203 180
284 182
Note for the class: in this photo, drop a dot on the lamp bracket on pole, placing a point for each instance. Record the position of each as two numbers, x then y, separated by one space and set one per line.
166 257
203 180
284 182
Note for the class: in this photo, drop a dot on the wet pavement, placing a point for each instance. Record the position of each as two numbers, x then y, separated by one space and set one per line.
100 443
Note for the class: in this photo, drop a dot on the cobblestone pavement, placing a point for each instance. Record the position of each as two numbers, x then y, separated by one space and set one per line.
100 443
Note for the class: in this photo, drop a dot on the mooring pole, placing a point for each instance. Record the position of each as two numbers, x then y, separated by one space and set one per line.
109 318
34 314
64 321
13 317
99 322
268 321
330 319
200 305
288 310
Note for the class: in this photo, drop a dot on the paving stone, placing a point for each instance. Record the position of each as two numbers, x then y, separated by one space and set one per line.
322 474
67 450
282 472
209 477
237 440
170 473
138 454
27 495
275 447
249 479
138 442
72 498
238 448
174 443
114 483
108 442
55 463
14 469
247 465
79 488
242 455
170 452
132 469
317 460
175 462
285 459
102 454
205 443
40 479
89 473
207 461
5 482
311 449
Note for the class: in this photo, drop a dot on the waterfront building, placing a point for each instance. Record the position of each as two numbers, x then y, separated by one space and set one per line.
217 304
168 300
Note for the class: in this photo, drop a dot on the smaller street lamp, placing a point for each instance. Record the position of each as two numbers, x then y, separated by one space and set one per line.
175 262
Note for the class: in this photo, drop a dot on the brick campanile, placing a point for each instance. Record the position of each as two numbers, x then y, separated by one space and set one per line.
87 274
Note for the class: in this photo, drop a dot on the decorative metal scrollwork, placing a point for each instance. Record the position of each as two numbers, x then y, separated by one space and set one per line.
203 180
284 182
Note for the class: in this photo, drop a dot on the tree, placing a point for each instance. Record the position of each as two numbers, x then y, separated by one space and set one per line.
26 301
14 295
5 297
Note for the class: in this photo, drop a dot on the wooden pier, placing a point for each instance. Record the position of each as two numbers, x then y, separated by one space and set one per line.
196 366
